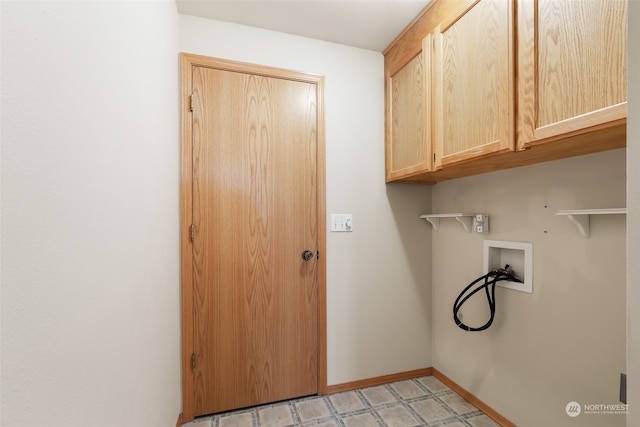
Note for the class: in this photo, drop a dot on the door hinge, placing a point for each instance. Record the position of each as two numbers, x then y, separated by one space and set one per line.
190 102
193 361
192 232
434 157
317 254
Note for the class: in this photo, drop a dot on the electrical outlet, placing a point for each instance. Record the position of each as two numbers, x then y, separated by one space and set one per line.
481 223
341 222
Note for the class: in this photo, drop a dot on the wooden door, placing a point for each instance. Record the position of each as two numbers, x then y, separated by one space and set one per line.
255 207
474 84
408 117
572 68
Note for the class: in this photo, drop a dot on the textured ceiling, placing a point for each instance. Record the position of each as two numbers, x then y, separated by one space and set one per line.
367 24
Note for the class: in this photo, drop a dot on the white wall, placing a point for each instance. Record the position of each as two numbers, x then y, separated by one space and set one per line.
633 217
378 276
566 341
90 196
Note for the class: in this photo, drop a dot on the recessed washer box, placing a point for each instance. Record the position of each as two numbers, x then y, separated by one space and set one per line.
518 255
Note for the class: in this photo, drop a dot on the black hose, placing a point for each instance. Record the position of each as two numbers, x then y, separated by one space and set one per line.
495 276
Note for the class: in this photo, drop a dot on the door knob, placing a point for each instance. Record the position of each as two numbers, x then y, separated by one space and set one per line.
307 255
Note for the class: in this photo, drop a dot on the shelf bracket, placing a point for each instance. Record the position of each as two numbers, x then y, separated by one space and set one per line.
581 217
465 219
435 221
582 222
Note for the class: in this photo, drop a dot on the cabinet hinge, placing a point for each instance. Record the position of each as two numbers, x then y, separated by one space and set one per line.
192 232
434 157
193 361
190 102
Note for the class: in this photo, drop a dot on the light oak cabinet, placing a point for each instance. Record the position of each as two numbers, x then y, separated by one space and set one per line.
473 101
512 83
408 118
572 67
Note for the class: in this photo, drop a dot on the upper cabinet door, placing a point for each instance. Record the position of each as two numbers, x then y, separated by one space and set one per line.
408 139
474 84
572 68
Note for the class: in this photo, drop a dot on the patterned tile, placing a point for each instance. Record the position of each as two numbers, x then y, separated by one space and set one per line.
433 384
379 395
198 423
327 423
363 420
458 404
332 422
411 403
312 409
431 410
408 389
346 402
482 421
242 419
398 416
275 416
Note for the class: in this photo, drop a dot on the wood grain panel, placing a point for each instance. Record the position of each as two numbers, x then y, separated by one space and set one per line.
409 42
588 132
577 144
413 42
407 115
383 379
408 142
572 73
526 71
474 84
582 57
254 208
186 253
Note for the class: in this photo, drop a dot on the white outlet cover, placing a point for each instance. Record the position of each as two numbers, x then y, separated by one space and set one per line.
342 222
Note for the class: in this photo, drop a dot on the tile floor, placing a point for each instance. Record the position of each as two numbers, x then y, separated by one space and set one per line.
418 402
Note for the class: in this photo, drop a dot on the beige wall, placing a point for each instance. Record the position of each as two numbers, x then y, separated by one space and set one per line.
378 276
566 341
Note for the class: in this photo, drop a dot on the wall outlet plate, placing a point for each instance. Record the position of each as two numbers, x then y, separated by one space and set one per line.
342 222
481 223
